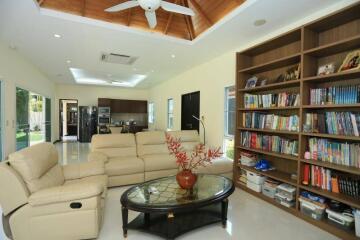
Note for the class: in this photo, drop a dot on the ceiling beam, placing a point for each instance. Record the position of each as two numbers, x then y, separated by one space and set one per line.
41 2
202 13
83 10
188 21
129 17
168 23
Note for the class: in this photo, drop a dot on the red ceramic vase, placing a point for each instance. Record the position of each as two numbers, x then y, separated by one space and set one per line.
186 179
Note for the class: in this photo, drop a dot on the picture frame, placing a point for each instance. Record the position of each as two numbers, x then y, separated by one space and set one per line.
326 69
251 82
351 62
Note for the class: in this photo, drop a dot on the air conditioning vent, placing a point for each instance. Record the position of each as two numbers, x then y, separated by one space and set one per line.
117 58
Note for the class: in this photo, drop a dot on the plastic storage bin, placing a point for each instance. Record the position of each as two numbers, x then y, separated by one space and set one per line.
284 200
312 209
253 186
286 190
357 222
341 220
269 189
255 178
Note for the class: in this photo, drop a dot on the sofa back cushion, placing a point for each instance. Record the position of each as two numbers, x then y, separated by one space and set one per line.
114 145
189 138
152 142
38 166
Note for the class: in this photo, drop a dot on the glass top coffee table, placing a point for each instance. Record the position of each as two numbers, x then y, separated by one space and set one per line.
169 211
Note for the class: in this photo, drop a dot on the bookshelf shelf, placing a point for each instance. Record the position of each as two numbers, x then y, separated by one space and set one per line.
351 74
280 85
323 41
268 131
269 109
332 136
335 47
279 155
353 202
277 63
274 174
343 168
332 106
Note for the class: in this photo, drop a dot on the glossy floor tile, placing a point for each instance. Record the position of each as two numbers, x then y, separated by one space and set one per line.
248 216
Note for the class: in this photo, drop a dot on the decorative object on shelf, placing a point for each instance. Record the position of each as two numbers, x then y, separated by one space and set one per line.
263 82
307 155
326 69
251 82
351 62
292 73
189 162
263 165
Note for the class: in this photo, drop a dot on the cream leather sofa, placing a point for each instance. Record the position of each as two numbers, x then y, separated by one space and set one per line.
42 200
118 151
130 160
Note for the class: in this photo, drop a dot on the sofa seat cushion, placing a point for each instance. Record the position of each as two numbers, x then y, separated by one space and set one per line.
124 166
218 166
157 162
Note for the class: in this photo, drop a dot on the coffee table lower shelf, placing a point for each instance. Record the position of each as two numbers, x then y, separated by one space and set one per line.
161 225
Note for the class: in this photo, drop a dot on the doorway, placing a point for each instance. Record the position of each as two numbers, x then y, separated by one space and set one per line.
190 111
68 119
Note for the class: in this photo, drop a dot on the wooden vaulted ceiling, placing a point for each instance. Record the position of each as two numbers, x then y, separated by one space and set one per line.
207 13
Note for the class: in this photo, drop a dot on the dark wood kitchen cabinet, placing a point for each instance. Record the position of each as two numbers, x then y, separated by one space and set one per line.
104 102
123 105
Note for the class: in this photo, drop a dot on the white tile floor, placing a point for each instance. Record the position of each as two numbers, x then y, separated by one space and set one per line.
248 217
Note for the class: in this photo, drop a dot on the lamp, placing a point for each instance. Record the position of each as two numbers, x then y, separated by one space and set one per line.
202 123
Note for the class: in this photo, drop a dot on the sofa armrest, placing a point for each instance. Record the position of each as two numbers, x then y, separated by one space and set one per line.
81 170
65 193
94 156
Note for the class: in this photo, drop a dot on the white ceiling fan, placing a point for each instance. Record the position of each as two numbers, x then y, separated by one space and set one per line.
150 6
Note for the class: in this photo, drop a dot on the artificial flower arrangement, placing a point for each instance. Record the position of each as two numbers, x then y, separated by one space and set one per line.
188 162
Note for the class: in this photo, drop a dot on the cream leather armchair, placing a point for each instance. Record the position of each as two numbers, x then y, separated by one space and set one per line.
43 200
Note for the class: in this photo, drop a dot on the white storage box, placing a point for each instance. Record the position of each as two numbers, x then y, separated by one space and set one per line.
255 178
284 200
286 190
269 188
253 186
341 220
312 209
357 222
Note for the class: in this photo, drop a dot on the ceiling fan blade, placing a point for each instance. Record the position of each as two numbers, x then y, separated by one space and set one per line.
177 8
151 17
123 6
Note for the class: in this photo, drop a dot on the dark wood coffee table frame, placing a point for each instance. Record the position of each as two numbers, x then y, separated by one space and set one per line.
174 220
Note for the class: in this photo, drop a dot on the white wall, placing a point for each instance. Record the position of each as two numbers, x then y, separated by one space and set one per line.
88 96
16 71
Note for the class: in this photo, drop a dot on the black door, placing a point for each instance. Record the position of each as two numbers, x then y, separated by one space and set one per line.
190 108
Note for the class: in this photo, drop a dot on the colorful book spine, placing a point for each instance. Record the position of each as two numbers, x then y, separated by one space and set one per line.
335 95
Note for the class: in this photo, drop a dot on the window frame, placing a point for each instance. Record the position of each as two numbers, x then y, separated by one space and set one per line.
151 112
226 112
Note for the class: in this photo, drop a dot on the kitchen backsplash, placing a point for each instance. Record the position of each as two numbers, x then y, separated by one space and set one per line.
139 118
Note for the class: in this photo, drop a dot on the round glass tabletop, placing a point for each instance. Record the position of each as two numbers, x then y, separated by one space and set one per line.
165 192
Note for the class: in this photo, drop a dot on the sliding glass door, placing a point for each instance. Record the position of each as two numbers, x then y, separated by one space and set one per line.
33 119
22 119
47 119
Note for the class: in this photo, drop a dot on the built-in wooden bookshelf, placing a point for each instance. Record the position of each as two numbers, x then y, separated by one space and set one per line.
326 40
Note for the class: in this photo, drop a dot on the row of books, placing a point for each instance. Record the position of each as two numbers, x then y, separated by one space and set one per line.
339 123
326 150
270 121
271 100
335 95
269 143
330 180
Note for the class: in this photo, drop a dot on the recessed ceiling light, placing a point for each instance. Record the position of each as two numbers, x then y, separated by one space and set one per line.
57 35
152 70
109 75
134 69
12 46
68 61
259 22
173 55
59 75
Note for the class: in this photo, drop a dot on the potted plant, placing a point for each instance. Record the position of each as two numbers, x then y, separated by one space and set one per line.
188 162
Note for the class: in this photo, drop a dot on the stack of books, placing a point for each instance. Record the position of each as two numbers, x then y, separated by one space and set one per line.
339 123
270 121
269 143
335 95
332 181
335 152
271 100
